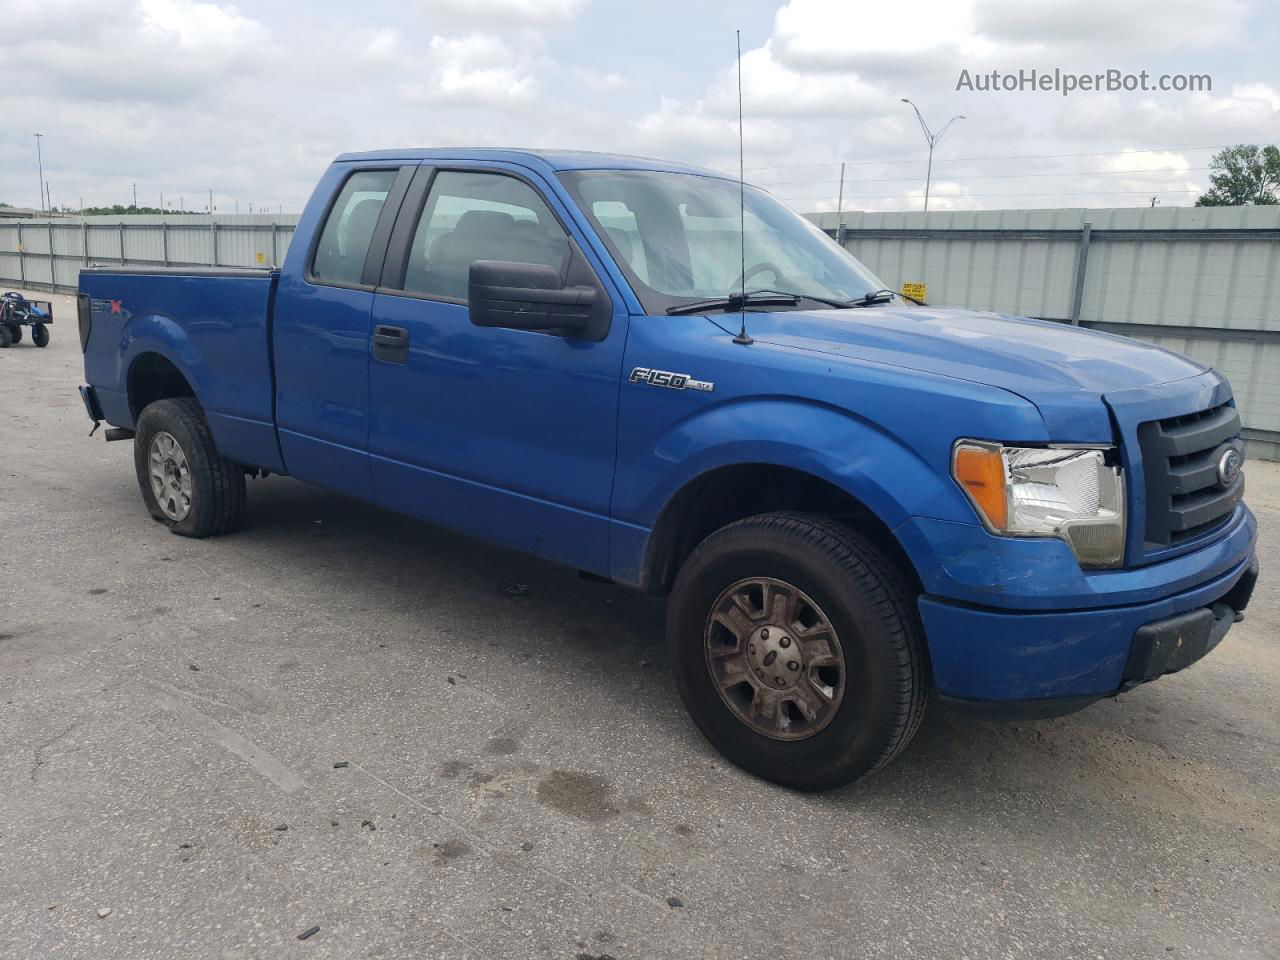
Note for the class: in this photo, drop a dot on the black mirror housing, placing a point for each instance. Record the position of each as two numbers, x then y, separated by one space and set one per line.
526 296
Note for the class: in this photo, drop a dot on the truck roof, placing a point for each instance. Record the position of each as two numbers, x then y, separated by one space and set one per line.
547 160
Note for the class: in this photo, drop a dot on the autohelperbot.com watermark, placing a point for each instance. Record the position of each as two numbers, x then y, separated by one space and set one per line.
1065 82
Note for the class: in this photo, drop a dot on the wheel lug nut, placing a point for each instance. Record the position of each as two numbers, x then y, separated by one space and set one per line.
792 665
784 642
764 634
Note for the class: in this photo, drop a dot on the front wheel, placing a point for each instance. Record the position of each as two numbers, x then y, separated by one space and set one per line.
185 484
798 650
40 335
15 333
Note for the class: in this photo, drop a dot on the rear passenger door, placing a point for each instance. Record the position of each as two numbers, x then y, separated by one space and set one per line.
321 324
508 434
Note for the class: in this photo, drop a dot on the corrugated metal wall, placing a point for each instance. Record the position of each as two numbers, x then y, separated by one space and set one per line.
1204 281
239 240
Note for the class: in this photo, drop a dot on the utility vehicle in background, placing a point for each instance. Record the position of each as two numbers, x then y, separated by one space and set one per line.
16 312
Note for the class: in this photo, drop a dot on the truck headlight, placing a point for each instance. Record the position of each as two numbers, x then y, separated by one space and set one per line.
1066 492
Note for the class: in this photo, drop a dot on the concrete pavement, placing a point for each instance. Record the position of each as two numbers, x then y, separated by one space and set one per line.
520 779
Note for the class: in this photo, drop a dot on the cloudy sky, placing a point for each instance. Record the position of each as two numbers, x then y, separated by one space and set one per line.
252 100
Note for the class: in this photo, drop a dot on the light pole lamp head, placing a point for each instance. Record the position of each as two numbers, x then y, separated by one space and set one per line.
946 126
924 127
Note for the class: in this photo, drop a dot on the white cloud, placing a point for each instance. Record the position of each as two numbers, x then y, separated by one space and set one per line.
198 26
1139 26
598 80
891 39
870 38
478 69
505 14
151 50
774 88
1140 160
1257 96
378 45
253 101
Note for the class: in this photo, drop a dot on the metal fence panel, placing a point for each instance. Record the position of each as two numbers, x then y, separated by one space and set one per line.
224 240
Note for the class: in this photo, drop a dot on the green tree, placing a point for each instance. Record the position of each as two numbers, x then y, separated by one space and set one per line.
121 208
1243 174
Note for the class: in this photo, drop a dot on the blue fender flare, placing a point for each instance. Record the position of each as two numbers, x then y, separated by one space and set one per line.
879 471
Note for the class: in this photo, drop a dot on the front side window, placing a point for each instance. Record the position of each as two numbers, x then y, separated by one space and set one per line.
472 216
344 241
680 237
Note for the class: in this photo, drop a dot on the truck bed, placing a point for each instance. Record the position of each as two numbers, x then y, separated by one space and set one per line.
213 323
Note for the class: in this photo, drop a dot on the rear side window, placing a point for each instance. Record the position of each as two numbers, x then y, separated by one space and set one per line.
480 216
344 242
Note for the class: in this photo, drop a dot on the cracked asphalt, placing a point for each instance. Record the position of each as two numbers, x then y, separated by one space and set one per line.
429 747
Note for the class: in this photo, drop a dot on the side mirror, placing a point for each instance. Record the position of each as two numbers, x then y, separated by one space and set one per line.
526 296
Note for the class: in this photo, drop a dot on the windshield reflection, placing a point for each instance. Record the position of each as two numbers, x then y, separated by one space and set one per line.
678 239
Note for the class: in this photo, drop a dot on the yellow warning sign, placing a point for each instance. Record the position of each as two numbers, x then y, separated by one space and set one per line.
262 258
915 291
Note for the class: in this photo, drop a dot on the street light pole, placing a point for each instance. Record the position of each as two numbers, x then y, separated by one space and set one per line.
40 166
932 139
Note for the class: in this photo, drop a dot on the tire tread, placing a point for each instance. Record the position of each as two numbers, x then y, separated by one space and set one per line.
884 587
225 496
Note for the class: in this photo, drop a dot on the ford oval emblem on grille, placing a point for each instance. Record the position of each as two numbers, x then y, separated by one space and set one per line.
1229 467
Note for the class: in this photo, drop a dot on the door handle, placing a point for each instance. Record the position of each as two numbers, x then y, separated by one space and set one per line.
390 344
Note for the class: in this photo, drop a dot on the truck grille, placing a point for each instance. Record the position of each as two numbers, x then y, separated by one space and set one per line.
1180 457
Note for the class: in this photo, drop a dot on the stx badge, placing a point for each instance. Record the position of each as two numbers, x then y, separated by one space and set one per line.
674 381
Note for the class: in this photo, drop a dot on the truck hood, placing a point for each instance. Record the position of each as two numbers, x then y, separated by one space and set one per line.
1065 371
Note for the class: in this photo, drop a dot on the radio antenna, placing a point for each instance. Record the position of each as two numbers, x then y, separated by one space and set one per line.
742 337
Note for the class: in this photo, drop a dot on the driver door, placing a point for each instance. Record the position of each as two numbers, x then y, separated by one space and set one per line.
507 434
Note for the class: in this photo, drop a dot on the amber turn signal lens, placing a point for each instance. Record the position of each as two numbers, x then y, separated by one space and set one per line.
981 473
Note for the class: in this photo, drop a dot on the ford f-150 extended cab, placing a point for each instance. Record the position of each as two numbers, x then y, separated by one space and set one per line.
855 502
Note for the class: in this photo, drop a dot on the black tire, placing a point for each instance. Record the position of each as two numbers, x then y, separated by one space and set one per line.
873 614
6 337
217 484
40 335
15 333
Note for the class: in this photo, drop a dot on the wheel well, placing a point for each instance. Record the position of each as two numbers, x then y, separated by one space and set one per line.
153 378
723 496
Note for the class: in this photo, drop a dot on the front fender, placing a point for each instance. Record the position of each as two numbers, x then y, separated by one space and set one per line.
859 457
886 476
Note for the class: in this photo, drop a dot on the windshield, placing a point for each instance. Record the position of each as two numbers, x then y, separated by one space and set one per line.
676 236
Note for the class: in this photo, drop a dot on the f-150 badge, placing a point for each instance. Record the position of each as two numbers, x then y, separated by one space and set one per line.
673 381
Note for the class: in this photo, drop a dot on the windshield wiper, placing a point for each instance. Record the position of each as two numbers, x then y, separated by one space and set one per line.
881 296
838 304
873 297
736 301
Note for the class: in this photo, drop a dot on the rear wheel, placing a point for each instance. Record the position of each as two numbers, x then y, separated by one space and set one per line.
798 650
185 484
40 335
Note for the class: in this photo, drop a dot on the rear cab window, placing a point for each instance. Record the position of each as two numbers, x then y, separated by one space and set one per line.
348 229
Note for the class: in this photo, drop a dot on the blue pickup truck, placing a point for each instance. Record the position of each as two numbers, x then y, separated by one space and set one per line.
856 503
